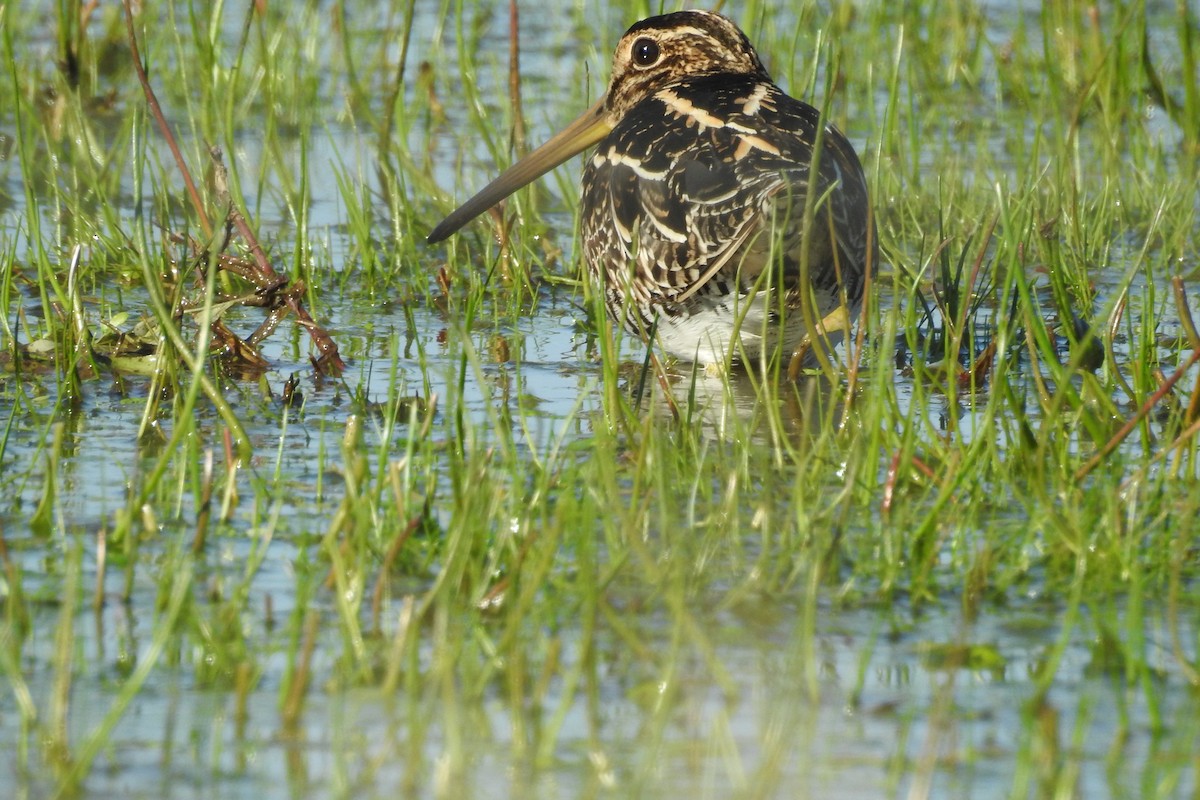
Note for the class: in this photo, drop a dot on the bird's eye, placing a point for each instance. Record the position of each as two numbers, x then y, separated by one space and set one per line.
646 52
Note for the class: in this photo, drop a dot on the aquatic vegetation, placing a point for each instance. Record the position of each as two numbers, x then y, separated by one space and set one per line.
499 553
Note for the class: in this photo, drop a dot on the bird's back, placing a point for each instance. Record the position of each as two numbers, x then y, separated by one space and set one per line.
702 186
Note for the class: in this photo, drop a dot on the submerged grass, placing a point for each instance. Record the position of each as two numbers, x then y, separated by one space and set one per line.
466 561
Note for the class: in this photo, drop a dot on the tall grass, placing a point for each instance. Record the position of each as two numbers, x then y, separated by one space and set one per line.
475 556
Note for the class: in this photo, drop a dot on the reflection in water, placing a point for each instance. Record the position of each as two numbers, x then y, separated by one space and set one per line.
740 406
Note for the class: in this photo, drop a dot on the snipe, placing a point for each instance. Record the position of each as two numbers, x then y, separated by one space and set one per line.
701 217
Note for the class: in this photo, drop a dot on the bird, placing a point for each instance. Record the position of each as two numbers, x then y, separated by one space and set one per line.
718 214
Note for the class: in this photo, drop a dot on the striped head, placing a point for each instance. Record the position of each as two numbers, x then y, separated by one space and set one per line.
660 51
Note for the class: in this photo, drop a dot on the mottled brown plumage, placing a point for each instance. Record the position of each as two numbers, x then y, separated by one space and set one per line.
701 219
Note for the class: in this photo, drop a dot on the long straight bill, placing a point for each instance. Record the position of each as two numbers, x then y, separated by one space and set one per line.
591 126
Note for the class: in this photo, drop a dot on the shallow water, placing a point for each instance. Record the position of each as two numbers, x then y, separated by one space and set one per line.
883 705
882 715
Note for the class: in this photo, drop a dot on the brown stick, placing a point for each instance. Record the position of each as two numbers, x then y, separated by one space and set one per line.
161 121
514 78
1133 421
329 359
